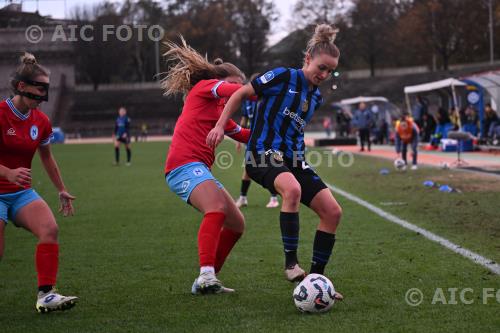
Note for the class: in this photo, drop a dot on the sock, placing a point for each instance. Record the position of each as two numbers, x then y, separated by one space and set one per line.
46 262
227 240
129 155
207 269
117 154
245 184
273 193
289 224
322 249
208 237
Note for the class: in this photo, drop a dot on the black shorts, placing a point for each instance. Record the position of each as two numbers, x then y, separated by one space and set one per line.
264 168
125 140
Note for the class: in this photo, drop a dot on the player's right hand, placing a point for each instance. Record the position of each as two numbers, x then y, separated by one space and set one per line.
19 176
238 147
215 136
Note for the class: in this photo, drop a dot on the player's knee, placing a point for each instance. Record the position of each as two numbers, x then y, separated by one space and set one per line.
332 213
49 233
292 194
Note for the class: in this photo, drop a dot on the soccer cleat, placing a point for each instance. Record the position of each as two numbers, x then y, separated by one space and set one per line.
128 164
52 301
338 296
207 283
295 273
273 203
414 167
242 202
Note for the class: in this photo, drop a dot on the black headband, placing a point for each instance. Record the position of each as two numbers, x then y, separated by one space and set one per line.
26 80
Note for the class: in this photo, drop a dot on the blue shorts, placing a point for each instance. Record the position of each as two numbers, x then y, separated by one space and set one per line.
184 179
11 203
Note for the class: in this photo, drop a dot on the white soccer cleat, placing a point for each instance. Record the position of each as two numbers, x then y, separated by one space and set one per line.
52 301
295 273
414 167
242 202
273 203
207 283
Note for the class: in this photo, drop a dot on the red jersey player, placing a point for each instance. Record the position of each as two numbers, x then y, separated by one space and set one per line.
205 87
24 129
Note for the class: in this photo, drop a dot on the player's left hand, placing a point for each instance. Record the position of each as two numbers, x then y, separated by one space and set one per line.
215 136
66 207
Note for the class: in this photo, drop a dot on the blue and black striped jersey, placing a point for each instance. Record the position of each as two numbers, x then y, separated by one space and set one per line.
248 110
122 125
287 104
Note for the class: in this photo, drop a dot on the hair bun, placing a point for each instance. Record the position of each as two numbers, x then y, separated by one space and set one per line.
28 59
325 33
218 61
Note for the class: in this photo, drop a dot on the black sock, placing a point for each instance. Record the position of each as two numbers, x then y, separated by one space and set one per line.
129 154
273 193
289 224
45 289
322 249
245 184
117 154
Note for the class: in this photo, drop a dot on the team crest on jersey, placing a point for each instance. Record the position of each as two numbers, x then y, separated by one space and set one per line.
198 172
305 106
34 132
267 77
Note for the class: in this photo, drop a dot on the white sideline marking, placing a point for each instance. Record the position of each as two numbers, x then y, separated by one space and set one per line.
478 259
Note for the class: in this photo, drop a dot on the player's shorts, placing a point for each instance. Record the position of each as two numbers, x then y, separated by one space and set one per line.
11 203
263 168
183 180
125 140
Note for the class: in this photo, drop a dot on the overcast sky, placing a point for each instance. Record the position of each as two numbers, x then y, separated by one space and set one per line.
62 8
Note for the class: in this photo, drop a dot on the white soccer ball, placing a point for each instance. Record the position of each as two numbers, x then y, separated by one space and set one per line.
444 165
314 294
399 164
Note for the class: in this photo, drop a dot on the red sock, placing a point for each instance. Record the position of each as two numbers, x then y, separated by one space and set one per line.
227 240
47 262
208 237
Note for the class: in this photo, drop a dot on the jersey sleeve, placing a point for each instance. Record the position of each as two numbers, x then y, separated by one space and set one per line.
216 89
236 132
269 83
45 131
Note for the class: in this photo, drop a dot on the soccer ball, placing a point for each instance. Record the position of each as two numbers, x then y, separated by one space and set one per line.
314 294
444 165
399 164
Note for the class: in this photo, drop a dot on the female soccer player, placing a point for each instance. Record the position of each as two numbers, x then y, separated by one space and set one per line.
275 152
206 87
24 129
121 134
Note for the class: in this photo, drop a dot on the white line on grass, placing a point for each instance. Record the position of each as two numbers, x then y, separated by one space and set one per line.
478 259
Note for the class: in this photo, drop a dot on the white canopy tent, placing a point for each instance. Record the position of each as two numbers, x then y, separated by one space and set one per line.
490 81
364 99
441 84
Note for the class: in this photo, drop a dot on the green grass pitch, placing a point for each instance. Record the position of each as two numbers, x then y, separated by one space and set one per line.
130 254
